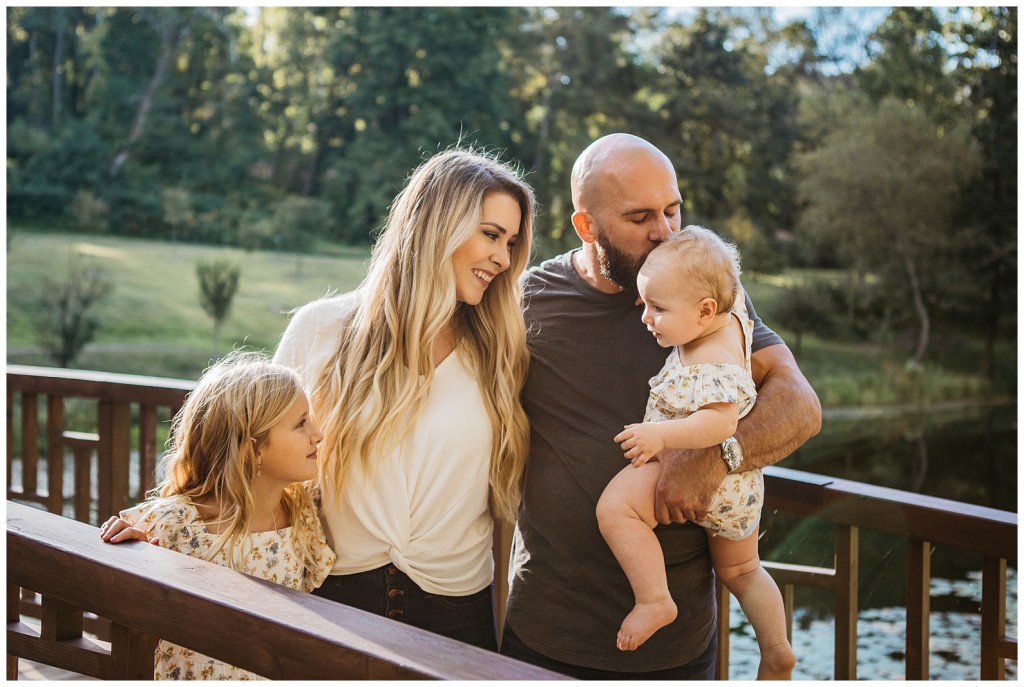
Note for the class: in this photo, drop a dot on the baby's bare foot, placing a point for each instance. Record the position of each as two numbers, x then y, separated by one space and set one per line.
777 663
643 621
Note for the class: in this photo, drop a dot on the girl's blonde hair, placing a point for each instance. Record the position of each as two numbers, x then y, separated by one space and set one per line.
215 440
372 389
705 262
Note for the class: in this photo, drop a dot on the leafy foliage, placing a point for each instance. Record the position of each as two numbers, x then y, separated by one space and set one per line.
66 320
215 124
218 284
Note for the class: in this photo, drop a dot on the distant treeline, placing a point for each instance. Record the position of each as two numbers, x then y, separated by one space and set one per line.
267 127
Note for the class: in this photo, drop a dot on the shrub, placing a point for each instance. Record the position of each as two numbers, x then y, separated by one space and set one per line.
65 321
89 214
218 284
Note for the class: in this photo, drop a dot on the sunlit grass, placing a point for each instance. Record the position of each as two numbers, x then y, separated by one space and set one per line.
152 323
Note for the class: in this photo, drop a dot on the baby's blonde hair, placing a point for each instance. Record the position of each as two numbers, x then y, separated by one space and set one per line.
704 261
214 443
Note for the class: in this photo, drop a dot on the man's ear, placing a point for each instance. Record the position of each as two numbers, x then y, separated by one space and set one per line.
581 222
707 309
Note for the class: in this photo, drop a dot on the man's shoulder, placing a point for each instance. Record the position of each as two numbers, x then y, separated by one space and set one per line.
552 270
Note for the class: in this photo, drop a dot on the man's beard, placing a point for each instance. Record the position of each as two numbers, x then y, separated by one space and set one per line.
616 265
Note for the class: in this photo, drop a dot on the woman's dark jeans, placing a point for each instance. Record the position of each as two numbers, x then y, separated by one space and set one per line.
389 592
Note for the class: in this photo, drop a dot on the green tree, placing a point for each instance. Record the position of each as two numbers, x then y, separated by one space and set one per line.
987 72
409 82
66 319
298 221
178 214
883 187
218 284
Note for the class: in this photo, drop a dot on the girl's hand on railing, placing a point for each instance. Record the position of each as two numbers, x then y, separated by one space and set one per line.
117 530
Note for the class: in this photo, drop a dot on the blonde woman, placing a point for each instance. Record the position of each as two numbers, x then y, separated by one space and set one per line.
416 376
237 491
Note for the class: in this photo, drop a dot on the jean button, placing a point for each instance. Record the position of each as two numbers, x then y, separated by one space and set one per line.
392 570
395 612
392 593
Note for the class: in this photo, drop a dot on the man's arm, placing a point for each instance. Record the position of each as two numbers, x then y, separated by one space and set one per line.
787 413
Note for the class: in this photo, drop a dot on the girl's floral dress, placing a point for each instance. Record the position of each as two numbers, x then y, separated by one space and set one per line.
679 390
271 555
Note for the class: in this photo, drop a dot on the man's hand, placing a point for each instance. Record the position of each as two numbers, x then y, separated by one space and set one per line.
640 441
689 478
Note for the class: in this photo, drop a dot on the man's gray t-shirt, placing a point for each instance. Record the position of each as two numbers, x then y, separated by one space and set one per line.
591 360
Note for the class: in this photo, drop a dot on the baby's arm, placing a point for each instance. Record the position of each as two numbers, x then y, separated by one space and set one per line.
710 425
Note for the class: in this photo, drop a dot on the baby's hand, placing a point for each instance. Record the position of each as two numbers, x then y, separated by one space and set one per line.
640 441
115 531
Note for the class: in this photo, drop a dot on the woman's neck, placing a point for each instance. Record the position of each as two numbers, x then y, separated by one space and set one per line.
444 344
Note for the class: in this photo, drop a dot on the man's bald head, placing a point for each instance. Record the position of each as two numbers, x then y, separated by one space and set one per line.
606 159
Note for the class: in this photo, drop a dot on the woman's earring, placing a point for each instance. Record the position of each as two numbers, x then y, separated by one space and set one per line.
259 464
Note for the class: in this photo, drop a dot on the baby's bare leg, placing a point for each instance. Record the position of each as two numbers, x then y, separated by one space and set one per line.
625 514
738 564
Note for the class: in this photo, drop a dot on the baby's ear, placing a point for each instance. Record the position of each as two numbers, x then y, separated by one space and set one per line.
708 308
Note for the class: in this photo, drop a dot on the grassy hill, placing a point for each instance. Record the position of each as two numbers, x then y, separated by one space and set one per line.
153 324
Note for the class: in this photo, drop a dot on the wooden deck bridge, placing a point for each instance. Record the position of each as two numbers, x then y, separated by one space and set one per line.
121 592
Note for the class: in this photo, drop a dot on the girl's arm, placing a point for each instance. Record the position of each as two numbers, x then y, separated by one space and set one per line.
710 425
117 530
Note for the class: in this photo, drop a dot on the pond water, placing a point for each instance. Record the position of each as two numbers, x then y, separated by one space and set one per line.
966 454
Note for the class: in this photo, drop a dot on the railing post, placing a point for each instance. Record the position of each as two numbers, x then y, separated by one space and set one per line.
847 576
131 653
13 616
114 457
29 442
10 433
55 454
60 620
993 616
722 656
147 449
919 575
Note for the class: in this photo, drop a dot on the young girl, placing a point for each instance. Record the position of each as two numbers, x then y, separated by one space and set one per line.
693 302
236 491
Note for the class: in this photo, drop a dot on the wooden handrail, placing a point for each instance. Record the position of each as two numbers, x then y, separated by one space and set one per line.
923 521
103 386
925 518
257 625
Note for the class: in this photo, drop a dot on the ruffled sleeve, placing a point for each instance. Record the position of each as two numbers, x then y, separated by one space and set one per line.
174 520
322 554
679 391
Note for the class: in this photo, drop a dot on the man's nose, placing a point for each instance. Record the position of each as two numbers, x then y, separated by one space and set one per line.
661 230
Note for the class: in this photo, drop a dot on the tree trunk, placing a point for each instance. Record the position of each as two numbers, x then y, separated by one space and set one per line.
919 305
170 36
58 75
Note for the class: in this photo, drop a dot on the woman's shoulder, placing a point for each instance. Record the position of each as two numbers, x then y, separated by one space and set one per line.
327 311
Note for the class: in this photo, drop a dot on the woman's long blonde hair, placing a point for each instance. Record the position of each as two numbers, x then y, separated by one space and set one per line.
214 443
371 391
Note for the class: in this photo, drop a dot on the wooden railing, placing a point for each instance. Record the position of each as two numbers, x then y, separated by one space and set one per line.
150 592
925 522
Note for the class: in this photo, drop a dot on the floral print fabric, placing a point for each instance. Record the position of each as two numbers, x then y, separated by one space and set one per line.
679 390
271 555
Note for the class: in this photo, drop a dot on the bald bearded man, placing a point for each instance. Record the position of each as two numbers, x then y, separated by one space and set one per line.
591 359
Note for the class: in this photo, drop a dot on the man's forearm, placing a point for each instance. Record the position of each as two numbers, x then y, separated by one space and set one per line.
787 412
